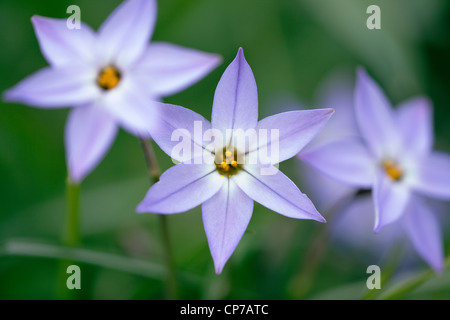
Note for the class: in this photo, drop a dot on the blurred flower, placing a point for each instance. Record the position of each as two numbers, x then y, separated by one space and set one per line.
394 158
351 209
110 77
226 187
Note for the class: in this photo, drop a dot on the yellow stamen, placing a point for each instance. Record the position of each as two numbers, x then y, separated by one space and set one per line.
393 170
226 163
108 78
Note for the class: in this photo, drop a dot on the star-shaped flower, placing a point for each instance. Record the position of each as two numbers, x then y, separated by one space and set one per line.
224 185
394 158
109 77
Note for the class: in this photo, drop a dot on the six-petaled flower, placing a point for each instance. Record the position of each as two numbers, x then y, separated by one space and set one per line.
227 187
394 159
111 78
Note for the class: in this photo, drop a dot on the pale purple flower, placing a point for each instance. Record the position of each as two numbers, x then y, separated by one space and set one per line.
394 158
226 189
110 77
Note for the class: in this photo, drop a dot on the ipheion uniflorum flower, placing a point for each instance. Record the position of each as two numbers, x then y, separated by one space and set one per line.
393 158
225 185
111 78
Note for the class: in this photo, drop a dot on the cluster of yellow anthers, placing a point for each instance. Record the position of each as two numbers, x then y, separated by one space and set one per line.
393 170
227 163
108 78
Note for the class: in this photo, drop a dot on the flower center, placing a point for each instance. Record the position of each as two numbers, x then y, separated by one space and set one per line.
393 169
226 162
108 78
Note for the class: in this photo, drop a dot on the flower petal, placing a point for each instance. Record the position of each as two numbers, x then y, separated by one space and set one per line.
182 188
432 177
225 217
90 131
415 121
133 110
167 69
124 36
50 88
276 192
347 161
178 126
390 200
295 130
422 227
236 97
375 116
62 46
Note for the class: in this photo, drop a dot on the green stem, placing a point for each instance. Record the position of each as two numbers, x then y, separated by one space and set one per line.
309 264
71 236
72 228
154 173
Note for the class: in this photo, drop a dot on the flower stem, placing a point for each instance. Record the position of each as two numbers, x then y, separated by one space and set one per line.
72 227
70 237
304 279
154 173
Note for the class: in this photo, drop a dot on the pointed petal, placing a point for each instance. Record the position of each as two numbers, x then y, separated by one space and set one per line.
62 46
50 88
236 98
89 134
375 116
167 69
182 188
422 227
124 36
225 217
347 161
295 130
390 200
432 176
415 121
178 126
276 192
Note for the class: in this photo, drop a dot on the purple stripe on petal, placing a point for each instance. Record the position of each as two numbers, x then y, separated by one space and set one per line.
89 134
295 130
225 217
125 34
422 227
52 88
375 116
347 161
182 188
276 192
236 98
390 200
432 177
167 68
180 126
62 46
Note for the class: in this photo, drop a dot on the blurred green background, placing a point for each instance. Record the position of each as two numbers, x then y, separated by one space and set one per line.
291 45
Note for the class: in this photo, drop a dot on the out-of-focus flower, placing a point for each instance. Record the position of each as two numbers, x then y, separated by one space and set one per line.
352 210
110 77
394 158
224 185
